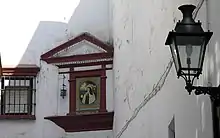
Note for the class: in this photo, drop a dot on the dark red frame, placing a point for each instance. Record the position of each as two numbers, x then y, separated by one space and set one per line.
24 70
20 71
72 88
73 122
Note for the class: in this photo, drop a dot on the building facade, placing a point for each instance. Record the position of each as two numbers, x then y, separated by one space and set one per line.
151 101
107 73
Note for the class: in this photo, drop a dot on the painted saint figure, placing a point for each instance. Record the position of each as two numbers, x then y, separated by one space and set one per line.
88 91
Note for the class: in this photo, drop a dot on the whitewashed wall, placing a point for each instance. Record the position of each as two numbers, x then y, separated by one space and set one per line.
141 70
91 134
88 16
92 16
214 47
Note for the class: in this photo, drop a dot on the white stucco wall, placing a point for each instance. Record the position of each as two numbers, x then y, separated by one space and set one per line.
91 134
140 68
92 16
46 105
36 35
213 53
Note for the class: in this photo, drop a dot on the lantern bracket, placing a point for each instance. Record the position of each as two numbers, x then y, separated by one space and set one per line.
214 92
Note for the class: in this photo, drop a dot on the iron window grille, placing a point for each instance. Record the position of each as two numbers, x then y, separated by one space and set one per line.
18 95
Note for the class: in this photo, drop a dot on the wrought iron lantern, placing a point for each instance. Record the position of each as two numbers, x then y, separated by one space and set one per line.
188 43
63 89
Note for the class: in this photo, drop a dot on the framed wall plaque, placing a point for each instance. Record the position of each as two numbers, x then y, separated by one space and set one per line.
87 94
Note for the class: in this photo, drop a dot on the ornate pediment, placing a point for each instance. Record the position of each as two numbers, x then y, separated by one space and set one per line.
81 48
84 48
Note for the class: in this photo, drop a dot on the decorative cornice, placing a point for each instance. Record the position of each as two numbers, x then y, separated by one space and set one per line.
79 58
77 64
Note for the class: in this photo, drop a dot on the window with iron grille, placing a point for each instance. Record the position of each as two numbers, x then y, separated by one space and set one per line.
18 95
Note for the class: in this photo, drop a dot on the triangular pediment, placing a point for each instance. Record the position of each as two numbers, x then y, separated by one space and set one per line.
82 48
81 45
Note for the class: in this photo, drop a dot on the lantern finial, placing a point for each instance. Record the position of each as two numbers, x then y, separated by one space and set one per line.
187 11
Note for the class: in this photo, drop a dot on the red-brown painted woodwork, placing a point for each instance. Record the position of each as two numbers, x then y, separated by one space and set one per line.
65 72
73 122
94 56
83 36
91 73
103 90
72 91
85 64
88 122
21 71
18 117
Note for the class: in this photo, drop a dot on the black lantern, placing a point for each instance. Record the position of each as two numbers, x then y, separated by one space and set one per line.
63 89
188 44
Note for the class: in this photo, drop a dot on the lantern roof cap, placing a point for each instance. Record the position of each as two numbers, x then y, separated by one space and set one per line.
188 24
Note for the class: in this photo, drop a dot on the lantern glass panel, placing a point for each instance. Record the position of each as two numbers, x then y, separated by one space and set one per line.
202 55
174 55
191 50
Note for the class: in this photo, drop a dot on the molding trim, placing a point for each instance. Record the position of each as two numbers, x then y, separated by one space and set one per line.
20 71
85 64
104 57
87 122
17 117
83 71
94 56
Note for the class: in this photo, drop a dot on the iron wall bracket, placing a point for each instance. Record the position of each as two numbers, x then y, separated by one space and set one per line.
214 92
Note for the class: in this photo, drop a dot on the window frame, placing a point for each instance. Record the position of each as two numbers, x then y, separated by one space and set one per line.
30 92
27 70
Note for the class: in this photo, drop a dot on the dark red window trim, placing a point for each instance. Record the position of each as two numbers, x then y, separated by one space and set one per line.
89 73
20 71
24 70
18 117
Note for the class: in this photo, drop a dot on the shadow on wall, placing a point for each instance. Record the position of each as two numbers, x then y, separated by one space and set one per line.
46 36
91 16
211 70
